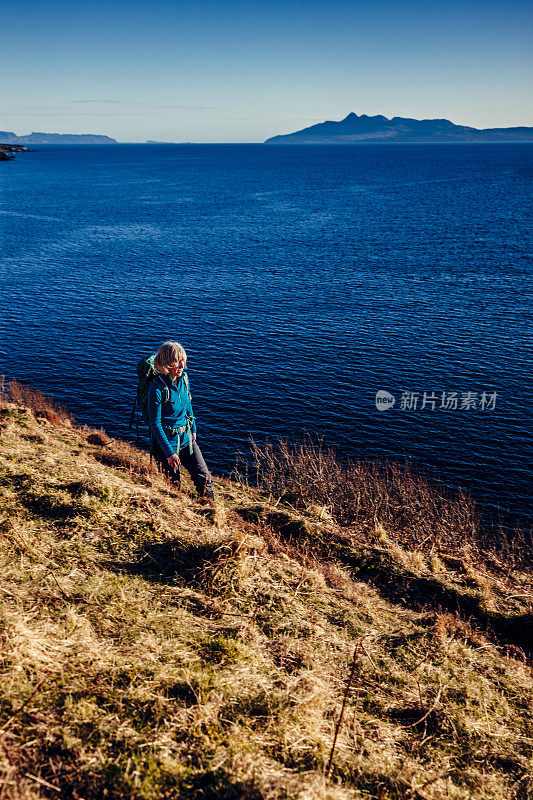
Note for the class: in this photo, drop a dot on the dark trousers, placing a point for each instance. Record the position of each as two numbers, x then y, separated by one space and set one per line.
194 464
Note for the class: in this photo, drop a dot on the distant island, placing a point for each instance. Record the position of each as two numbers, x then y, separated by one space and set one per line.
156 141
354 130
10 138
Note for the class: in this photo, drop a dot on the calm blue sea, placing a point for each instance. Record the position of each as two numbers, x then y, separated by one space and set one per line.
301 280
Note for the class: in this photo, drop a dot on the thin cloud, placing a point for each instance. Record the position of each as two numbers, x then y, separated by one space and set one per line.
208 108
140 113
117 102
144 103
70 114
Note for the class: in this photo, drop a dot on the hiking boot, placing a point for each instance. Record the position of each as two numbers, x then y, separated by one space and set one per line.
207 499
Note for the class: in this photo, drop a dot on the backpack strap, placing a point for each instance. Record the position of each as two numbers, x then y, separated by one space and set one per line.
162 385
189 417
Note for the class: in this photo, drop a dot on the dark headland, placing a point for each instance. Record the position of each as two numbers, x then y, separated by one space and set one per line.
6 151
355 129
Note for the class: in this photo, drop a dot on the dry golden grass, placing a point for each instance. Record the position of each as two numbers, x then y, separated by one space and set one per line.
37 402
155 649
417 514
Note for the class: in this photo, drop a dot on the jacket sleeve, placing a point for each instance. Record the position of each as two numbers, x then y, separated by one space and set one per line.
155 401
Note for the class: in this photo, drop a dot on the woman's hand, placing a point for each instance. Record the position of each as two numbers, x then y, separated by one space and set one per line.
173 461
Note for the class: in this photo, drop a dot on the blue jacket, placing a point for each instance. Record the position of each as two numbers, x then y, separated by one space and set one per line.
166 417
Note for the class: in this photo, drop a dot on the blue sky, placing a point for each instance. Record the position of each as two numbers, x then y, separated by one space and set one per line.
232 71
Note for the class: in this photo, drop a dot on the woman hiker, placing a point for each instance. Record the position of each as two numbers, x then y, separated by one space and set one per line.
172 425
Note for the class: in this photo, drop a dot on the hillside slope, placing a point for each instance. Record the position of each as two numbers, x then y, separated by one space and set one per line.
155 648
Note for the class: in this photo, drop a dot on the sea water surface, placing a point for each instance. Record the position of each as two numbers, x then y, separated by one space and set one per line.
301 280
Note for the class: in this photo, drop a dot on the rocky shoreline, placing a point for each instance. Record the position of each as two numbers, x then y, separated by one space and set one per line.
7 149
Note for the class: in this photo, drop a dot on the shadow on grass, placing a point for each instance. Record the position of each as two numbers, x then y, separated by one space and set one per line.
419 593
208 785
215 785
43 503
52 510
166 562
396 583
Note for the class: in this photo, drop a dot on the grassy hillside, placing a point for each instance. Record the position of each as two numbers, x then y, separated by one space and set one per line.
156 648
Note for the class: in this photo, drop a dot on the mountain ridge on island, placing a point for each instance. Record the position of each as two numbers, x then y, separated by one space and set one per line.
355 129
37 137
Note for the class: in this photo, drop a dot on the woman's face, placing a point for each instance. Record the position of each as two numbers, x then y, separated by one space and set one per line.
175 370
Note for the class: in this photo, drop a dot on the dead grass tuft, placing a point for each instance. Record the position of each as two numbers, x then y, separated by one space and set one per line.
38 403
122 455
97 437
374 497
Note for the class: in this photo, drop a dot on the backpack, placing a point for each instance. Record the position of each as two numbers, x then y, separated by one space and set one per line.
147 373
